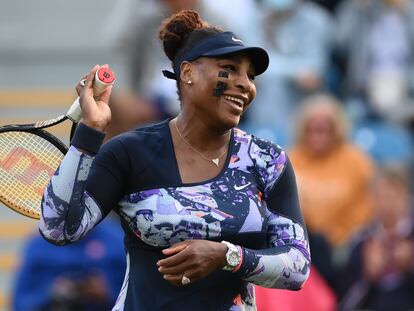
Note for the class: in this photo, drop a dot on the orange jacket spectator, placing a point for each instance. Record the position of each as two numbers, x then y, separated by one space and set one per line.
333 175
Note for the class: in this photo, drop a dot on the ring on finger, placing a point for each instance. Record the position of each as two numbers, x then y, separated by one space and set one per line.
185 280
82 82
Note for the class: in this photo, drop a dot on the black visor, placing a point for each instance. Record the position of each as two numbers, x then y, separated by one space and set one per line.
222 44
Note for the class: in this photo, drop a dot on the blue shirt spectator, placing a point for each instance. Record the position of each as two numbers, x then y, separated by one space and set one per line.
85 276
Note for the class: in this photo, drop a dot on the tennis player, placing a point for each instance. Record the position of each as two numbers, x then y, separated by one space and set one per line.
207 210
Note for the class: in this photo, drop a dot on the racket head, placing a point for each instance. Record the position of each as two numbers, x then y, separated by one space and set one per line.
28 159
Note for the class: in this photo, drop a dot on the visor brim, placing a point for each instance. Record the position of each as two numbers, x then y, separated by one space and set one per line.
258 56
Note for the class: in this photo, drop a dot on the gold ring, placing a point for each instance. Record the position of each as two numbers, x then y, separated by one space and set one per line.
185 280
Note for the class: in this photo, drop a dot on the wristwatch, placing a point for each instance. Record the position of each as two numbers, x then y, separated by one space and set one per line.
233 256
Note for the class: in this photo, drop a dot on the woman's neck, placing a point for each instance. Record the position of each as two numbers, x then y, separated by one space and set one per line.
200 134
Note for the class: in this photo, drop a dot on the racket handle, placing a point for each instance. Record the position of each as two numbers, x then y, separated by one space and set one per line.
103 78
75 112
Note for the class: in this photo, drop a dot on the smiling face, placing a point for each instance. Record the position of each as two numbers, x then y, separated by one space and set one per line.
224 111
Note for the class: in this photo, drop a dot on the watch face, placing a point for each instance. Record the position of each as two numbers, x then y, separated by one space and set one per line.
233 259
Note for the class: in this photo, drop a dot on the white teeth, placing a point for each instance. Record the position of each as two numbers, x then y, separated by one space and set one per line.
235 99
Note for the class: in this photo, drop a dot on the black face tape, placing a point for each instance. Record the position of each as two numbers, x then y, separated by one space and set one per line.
223 74
220 88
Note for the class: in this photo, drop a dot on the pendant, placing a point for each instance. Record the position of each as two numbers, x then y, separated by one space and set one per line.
216 161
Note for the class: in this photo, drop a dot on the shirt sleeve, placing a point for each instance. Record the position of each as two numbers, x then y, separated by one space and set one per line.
84 189
285 263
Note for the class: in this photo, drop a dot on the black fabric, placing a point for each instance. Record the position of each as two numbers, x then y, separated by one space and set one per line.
284 195
87 138
215 292
138 160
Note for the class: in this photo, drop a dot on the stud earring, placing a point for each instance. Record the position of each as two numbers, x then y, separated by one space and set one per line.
189 82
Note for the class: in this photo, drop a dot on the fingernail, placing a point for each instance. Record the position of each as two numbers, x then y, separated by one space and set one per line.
106 66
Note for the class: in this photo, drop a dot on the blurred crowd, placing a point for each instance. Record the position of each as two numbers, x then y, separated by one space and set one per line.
339 96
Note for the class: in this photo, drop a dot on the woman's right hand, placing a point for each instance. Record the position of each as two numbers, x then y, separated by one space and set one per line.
95 110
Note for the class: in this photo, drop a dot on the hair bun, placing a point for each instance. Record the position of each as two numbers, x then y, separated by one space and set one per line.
175 29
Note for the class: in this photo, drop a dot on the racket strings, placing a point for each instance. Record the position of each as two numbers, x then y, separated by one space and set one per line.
27 162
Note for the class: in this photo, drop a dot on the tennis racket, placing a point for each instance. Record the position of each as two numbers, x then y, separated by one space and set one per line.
29 155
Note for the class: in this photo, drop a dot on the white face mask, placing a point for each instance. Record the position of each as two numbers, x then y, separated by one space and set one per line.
280 4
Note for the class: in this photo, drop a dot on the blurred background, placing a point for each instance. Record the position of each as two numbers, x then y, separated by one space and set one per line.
338 96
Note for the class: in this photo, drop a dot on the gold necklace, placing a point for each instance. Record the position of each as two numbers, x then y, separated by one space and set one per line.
214 160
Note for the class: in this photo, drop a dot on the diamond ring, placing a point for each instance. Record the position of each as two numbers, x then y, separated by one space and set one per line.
82 82
185 280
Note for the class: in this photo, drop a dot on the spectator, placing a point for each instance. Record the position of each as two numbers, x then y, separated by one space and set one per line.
133 30
333 175
85 276
297 35
380 271
377 74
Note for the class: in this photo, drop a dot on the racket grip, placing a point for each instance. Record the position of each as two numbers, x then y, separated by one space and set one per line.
75 112
103 78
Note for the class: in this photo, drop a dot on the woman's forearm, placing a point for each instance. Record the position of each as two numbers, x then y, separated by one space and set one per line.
68 211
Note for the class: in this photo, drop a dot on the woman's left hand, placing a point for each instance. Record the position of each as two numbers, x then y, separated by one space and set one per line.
194 259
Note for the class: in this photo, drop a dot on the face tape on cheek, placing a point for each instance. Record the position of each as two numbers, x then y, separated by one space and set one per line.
220 88
223 74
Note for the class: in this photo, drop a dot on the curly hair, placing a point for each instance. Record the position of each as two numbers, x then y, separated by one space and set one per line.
181 32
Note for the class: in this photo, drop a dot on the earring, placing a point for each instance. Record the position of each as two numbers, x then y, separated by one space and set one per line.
189 82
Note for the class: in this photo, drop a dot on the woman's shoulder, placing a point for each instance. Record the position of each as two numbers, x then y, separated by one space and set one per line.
269 159
252 139
356 153
143 137
147 132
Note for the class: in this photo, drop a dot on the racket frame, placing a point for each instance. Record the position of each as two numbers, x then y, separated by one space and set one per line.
30 128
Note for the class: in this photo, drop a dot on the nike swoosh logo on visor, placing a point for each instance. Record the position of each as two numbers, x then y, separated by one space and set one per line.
236 40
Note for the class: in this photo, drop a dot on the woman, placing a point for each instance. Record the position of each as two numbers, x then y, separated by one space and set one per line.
333 174
206 209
